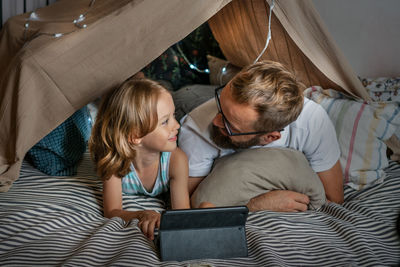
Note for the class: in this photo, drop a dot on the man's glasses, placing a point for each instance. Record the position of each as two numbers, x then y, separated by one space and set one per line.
226 122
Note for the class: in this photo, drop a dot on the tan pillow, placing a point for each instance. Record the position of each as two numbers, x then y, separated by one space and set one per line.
217 76
237 178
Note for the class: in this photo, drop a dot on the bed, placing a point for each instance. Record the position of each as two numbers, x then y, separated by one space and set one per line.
57 220
52 221
48 220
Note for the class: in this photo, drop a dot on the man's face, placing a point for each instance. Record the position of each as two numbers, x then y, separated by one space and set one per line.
225 141
240 117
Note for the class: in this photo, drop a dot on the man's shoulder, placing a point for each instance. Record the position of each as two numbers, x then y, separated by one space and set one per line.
310 105
312 110
311 118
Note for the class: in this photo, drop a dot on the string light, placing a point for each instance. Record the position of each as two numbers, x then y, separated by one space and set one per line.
269 31
192 66
77 22
221 74
224 69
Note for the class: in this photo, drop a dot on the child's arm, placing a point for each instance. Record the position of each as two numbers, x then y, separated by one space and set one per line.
179 174
112 205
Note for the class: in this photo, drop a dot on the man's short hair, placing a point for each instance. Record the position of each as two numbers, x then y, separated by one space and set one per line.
272 90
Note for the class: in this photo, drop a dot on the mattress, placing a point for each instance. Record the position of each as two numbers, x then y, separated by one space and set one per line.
50 221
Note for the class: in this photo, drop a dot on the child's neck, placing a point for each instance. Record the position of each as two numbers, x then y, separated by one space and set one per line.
146 166
145 159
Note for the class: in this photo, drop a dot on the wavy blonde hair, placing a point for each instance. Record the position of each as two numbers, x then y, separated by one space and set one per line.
272 90
126 113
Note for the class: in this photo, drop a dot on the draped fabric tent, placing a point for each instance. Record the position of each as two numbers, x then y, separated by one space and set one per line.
44 79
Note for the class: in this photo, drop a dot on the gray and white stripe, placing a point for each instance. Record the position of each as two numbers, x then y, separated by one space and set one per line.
48 221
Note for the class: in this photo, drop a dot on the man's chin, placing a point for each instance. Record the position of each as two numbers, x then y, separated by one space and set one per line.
223 141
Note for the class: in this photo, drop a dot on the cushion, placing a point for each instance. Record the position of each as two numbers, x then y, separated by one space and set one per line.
189 97
238 177
361 129
386 89
383 88
59 152
221 71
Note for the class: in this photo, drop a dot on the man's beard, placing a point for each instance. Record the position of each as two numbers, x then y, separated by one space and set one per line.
225 142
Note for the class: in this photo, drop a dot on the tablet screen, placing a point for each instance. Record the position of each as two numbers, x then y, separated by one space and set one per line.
204 218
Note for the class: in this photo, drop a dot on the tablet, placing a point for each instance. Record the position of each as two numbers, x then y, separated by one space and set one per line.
203 233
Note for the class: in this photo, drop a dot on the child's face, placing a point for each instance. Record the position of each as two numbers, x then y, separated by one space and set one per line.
164 137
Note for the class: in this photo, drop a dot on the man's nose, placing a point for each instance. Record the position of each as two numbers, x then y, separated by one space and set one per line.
218 121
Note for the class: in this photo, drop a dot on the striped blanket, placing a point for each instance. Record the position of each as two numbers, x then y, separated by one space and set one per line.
52 221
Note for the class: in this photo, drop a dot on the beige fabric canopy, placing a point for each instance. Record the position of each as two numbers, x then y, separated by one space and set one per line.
299 40
44 80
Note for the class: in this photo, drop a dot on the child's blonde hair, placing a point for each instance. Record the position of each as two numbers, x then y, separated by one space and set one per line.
272 90
126 113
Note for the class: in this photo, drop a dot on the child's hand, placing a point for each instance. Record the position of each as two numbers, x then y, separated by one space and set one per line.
148 220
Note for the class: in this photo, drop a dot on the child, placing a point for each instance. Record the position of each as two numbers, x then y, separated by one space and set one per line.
133 145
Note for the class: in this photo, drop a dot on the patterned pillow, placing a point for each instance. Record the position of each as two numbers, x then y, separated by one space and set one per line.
382 88
59 152
361 129
386 89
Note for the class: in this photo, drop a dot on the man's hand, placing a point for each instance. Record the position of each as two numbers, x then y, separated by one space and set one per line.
148 220
279 200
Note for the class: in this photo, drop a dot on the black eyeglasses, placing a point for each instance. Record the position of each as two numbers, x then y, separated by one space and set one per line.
226 122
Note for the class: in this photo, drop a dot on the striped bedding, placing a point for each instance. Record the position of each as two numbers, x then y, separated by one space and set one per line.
52 221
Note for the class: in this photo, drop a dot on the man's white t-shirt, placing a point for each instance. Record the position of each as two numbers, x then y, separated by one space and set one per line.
312 133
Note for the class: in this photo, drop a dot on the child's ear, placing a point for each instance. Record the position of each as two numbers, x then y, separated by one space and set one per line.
135 141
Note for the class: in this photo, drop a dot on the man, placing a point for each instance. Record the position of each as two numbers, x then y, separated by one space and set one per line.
263 106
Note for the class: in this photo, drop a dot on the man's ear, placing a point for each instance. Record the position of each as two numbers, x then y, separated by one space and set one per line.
270 137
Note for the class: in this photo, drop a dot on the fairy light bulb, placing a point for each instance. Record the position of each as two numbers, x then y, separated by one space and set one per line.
34 16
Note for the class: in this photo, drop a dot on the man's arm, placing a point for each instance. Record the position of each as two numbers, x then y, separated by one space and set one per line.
284 200
279 200
332 180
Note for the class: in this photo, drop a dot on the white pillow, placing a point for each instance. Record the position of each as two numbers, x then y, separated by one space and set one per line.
361 129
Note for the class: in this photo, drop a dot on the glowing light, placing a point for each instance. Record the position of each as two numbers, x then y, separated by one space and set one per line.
33 16
76 22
